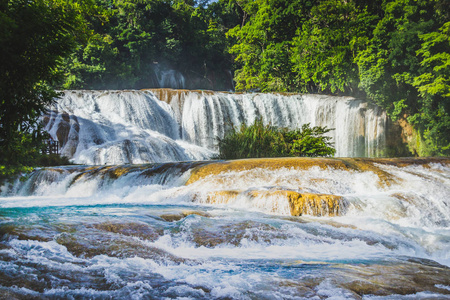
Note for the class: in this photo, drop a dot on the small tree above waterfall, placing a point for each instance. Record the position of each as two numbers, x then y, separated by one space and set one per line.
259 140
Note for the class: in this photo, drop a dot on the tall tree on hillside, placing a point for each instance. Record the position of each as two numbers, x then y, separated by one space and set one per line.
326 44
34 37
262 50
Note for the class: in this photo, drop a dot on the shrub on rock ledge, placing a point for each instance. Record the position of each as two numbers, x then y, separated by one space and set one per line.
259 140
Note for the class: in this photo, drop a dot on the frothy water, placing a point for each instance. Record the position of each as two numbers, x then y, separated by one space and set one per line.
188 231
117 127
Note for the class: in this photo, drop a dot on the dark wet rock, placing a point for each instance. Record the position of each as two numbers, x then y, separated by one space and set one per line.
90 244
24 232
141 230
178 216
234 234
396 277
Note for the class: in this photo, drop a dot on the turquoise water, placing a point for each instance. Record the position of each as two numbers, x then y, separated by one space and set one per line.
69 236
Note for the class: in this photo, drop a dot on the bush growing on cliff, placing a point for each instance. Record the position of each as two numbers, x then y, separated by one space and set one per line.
259 140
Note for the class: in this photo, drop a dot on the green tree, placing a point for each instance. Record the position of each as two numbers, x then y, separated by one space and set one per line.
262 50
433 85
144 37
309 141
34 38
326 44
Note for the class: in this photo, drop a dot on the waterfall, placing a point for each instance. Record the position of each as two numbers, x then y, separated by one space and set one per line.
275 228
161 125
358 126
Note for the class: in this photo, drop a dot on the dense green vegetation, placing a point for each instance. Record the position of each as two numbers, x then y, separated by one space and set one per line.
142 39
259 140
34 36
395 53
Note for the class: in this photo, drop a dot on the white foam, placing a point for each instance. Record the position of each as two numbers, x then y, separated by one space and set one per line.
412 213
116 127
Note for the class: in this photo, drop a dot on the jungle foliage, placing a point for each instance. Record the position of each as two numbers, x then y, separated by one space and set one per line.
137 41
395 53
259 140
35 36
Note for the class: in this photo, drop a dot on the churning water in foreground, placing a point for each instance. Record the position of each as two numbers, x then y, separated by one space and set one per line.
250 229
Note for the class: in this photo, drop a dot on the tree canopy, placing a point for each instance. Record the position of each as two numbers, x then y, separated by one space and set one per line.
395 53
392 52
35 36
144 38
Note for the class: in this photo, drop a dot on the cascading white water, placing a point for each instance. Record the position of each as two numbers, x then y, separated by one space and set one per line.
153 231
115 127
359 128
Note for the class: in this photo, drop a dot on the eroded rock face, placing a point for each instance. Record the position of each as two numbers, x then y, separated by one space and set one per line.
222 197
65 127
303 163
314 204
299 203
266 163
304 186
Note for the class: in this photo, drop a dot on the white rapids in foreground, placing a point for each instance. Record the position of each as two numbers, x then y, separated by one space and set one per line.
150 231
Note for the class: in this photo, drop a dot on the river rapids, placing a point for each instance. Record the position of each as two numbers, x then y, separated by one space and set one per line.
294 228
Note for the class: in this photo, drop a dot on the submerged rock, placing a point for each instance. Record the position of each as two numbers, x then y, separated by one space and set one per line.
178 216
